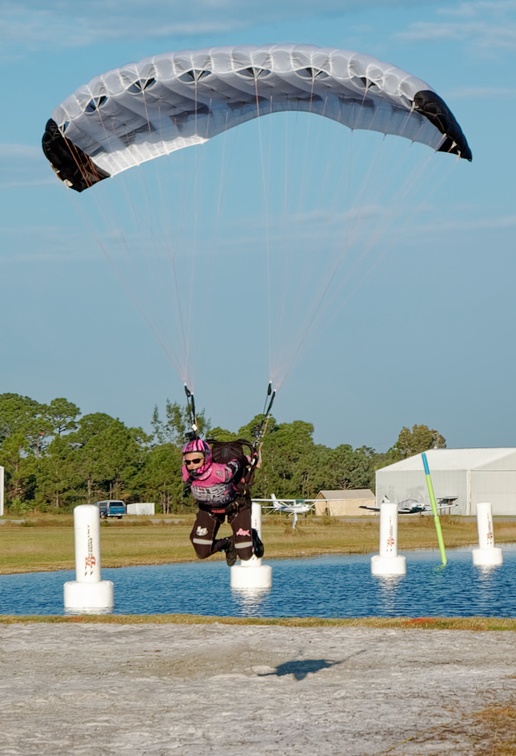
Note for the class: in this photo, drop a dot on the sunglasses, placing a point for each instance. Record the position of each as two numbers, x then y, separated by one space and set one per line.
189 462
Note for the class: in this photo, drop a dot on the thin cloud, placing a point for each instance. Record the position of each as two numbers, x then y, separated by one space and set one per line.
43 244
23 166
472 224
35 24
475 9
482 93
19 151
484 26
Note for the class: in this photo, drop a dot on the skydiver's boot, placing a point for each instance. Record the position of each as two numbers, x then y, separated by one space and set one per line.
220 544
258 547
231 552
227 545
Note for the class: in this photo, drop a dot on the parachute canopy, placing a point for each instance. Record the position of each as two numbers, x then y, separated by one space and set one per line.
144 110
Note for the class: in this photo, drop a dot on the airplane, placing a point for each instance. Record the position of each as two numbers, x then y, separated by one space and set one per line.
411 506
292 507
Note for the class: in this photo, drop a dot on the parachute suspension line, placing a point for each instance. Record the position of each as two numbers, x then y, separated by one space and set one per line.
163 241
187 283
191 284
119 273
325 301
190 405
144 222
318 302
287 248
260 431
169 250
78 163
267 229
152 282
291 274
354 216
267 407
408 189
223 163
316 305
378 234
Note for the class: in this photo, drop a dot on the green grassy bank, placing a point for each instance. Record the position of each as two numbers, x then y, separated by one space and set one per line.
46 542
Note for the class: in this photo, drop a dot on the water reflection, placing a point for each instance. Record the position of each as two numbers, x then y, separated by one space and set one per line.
330 586
250 600
387 589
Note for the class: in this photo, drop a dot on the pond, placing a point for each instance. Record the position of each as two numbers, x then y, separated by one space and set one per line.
328 586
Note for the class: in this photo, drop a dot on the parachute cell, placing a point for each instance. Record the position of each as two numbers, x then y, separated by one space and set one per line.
144 110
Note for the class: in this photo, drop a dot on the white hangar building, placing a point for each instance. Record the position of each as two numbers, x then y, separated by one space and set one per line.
468 475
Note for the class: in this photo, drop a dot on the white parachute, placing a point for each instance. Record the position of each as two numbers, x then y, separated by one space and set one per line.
144 110
279 233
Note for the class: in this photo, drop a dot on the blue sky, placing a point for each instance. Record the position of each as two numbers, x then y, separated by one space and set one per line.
423 334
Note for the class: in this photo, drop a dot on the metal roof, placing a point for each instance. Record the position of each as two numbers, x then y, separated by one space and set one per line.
457 459
347 493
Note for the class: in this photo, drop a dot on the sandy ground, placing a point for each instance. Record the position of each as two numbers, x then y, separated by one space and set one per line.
221 689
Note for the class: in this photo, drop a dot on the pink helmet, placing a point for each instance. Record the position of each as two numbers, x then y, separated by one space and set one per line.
200 446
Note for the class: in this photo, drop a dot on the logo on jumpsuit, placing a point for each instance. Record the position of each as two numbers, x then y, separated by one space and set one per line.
242 532
201 531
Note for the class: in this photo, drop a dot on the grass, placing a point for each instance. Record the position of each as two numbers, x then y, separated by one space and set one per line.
476 624
46 542
496 729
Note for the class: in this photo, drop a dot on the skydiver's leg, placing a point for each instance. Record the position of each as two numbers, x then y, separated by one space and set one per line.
240 522
204 532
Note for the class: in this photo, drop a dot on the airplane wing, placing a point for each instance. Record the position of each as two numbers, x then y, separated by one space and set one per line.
287 506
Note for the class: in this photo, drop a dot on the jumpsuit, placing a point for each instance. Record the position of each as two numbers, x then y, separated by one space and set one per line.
217 496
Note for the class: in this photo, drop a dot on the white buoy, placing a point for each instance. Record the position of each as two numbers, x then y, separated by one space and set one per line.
487 555
87 593
251 573
388 562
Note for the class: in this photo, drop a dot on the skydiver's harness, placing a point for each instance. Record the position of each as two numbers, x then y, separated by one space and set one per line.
246 453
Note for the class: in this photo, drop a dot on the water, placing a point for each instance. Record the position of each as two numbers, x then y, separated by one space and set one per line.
329 586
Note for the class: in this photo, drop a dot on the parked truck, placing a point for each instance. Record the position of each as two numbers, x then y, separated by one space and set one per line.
111 508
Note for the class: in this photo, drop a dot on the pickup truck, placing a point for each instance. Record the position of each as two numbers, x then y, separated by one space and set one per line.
111 508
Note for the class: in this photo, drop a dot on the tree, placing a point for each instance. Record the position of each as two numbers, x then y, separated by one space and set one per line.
17 413
416 441
177 424
23 435
20 469
221 434
62 416
160 478
113 457
285 446
59 482
108 455
314 471
21 414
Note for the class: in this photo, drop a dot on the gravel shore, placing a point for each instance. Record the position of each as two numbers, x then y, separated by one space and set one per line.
223 689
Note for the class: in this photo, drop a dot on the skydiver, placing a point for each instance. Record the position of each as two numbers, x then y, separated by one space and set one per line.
220 492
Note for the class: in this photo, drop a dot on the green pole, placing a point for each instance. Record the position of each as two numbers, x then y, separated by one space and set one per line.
437 522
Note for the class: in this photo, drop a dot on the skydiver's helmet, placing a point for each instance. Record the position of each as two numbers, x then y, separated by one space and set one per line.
200 447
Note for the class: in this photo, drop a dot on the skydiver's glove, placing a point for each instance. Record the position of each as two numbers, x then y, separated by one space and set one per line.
187 489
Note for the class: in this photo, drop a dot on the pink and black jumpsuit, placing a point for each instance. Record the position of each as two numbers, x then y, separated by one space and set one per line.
215 492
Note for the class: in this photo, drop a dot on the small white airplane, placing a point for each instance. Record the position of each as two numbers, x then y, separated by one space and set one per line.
412 506
292 507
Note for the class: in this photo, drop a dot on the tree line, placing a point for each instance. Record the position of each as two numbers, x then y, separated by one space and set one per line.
55 458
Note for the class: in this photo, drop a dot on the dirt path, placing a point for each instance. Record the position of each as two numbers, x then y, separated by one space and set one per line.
221 689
